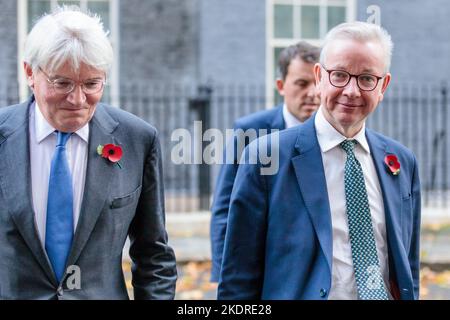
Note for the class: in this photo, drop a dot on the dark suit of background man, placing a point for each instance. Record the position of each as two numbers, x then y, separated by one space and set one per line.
341 218
65 241
296 85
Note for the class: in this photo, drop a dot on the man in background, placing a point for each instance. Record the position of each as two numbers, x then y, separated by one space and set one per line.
296 86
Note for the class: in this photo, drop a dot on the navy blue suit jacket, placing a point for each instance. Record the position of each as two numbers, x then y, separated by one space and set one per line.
279 236
267 119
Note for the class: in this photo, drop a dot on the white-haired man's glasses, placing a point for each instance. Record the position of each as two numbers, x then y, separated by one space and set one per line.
66 86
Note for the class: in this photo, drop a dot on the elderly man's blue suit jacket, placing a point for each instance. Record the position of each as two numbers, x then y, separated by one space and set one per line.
267 119
279 237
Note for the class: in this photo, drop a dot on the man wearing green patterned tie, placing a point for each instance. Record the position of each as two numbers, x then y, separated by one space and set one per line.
341 218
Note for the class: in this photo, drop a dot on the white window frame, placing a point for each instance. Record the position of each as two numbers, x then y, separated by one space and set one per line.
272 42
22 27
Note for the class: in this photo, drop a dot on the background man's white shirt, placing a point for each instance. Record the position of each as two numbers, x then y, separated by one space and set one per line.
289 119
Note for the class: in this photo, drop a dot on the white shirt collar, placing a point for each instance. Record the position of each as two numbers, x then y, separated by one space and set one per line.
329 137
289 119
44 129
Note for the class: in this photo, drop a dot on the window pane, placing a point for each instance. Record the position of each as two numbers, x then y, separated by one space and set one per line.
310 22
336 15
35 10
102 9
69 2
283 21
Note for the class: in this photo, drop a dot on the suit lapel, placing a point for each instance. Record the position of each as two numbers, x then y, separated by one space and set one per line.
16 181
99 174
310 175
390 187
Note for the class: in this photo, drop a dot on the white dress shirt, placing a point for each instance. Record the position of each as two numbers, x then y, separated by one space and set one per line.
289 119
42 148
343 284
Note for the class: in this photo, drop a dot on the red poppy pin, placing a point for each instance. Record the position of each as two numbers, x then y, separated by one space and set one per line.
392 163
111 152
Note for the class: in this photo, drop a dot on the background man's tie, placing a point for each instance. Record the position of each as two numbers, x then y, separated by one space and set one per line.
369 281
59 227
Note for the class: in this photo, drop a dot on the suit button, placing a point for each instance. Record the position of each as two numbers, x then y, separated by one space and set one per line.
323 292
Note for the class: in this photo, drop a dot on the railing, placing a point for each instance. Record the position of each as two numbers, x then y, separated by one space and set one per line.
417 116
188 186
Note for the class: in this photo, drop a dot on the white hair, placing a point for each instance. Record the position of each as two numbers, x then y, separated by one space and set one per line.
360 31
68 35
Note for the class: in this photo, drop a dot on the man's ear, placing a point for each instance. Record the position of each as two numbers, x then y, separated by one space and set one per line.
280 86
386 81
29 74
317 73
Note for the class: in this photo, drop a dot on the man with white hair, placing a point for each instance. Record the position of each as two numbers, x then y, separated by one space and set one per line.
78 177
341 218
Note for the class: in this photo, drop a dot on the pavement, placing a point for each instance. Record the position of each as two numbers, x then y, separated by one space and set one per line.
189 236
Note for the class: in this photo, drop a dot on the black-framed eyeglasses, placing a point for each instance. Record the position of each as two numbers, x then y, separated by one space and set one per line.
65 86
365 81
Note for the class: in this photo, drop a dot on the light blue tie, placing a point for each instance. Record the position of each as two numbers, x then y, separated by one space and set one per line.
369 281
59 228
